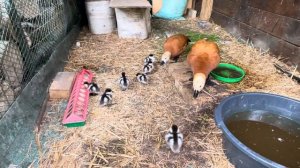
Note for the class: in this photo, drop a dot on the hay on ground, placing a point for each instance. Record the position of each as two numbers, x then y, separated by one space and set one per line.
131 132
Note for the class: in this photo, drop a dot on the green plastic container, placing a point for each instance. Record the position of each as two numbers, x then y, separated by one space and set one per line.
228 73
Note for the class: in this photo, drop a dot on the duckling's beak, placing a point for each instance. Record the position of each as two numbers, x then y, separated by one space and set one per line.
162 63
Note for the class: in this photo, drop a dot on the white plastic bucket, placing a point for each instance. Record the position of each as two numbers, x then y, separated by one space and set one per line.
101 17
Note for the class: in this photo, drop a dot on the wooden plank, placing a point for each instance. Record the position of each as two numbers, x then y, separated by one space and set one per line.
227 7
289 8
288 52
130 4
245 31
268 21
194 3
62 85
206 9
288 29
260 38
280 26
189 4
248 15
277 46
292 52
198 5
221 19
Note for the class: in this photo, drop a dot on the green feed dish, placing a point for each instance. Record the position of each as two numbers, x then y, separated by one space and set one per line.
228 73
78 124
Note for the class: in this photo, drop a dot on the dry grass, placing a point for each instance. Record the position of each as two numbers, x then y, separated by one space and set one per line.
130 133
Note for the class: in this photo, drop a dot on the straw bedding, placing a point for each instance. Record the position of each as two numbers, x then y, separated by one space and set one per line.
131 132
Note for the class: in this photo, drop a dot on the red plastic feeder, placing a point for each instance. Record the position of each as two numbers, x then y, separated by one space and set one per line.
76 113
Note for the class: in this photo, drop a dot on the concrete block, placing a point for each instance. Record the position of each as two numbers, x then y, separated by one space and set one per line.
62 85
133 18
191 13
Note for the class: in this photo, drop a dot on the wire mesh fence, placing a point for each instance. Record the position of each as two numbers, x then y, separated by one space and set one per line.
29 31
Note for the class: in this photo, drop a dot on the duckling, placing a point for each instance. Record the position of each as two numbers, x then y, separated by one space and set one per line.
123 82
141 77
174 139
149 58
149 67
92 87
106 98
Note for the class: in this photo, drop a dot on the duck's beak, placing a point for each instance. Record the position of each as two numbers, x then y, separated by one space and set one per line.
196 93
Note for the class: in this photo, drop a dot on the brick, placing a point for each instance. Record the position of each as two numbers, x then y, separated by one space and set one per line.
61 86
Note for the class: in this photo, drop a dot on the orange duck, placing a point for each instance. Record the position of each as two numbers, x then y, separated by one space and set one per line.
173 47
203 58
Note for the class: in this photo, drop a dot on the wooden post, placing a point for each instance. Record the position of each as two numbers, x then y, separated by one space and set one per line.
189 5
206 9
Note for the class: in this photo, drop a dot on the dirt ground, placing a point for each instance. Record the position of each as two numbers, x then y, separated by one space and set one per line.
131 132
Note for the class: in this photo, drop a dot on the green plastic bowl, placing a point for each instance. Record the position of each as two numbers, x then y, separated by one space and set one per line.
228 73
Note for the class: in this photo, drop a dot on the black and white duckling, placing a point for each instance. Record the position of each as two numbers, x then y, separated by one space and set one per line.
92 87
106 98
149 67
150 58
142 78
174 139
123 82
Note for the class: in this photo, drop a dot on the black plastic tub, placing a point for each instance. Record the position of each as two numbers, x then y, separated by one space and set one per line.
238 153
